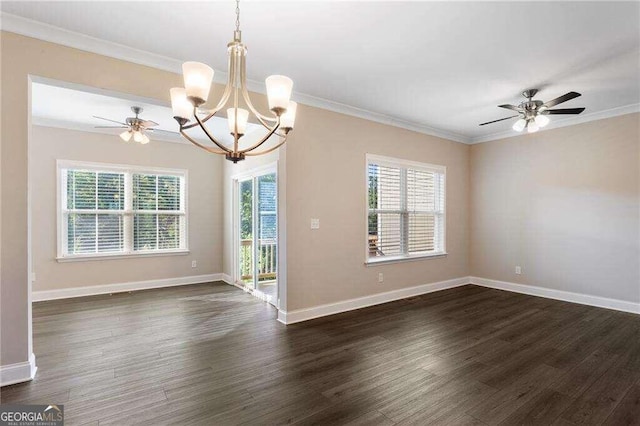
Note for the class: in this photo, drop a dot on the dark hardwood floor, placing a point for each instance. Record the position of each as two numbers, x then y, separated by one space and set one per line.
210 354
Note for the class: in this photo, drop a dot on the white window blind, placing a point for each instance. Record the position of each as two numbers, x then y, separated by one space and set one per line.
95 212
118 210
405 209
158 219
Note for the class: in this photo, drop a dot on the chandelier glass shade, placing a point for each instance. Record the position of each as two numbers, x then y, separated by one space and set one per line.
198 77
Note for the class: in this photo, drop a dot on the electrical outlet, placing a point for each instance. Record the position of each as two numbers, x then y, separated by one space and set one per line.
518 270
380 277
33 276
315 223
194 264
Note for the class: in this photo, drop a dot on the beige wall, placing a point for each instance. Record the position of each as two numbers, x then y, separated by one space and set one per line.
21 57
204 201
324 177
326 180
564 205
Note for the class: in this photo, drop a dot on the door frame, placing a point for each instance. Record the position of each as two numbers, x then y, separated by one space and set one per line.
235 215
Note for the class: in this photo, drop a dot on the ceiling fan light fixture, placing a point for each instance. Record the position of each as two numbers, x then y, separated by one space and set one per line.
135 126
519 125
137 136
541 120
532 113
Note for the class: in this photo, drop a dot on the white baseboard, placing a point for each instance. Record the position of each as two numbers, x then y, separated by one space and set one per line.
566 296
66 293
346 305
298 315
19 372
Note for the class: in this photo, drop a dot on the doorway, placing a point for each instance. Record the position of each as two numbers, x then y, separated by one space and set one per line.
256 233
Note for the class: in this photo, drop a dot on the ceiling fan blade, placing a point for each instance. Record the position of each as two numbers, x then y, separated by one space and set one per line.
564 98
148 123
162 130
501 119
564 111
108 119
511 107
110 127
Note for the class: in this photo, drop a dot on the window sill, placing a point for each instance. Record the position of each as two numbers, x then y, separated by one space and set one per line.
399 259
103 256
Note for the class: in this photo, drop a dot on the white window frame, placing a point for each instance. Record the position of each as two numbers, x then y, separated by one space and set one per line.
403 164
129 171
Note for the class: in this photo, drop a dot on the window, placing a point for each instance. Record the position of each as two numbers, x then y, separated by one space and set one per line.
111 210
405 209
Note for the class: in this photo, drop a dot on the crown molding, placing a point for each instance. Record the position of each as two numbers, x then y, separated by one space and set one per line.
379 118
570 121
39 30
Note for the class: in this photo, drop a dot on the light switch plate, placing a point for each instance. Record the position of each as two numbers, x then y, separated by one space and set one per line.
315 223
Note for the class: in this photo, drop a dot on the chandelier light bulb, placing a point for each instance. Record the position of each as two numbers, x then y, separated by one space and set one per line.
532 127
197 81
289 117
137 136
541 120
278 92
519 125
243 118
126 135
180 104
145 139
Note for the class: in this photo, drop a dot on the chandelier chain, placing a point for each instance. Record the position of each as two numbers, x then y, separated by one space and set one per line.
237 15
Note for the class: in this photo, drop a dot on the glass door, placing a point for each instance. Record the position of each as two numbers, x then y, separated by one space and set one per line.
267 243
257 241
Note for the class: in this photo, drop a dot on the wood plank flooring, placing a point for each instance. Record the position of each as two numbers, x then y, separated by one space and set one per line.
210 354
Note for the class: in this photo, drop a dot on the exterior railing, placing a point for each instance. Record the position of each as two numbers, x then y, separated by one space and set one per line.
267 259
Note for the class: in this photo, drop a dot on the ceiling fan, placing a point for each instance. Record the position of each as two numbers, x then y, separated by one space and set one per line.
533 113
136 127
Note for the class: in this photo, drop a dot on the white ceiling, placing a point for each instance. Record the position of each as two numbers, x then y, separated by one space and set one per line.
440 67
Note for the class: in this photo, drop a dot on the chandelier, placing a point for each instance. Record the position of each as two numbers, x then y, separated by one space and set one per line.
186 101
